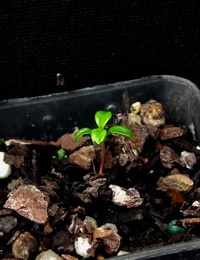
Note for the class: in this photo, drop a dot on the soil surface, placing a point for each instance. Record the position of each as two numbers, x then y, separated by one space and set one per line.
55 201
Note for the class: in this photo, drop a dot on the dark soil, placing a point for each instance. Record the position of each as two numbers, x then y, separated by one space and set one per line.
70 192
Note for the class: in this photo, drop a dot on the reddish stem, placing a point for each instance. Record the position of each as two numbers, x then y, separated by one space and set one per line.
103 151
94 169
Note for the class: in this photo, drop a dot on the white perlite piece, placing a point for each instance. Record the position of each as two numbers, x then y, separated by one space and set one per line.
112 226
129 198
121 252
136 107
196 204
5 169
82 245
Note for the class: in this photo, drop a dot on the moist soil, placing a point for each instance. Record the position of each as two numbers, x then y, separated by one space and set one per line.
68 192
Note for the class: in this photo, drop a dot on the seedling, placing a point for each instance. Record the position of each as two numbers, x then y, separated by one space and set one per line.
99 134
61 154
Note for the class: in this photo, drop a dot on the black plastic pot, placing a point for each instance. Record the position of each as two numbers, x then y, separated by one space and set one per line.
55 114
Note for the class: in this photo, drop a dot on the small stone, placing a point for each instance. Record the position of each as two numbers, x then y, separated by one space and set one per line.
134 119
29 202
14 183
121 252
168 157
122 197
152 113
7 223
136 107
112 226
24 245
91 221
173 228
179 182
5 169
188 159
196 204
83 247
48 255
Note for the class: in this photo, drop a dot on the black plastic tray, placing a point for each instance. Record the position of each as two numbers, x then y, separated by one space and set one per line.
54 114
50 116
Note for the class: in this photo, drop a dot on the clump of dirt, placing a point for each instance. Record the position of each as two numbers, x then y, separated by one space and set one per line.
63 208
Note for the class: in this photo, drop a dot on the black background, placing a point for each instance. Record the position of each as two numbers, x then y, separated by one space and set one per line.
95 42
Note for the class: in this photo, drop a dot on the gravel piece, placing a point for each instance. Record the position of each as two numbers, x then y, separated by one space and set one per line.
29 202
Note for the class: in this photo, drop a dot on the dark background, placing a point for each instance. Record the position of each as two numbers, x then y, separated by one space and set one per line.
95 42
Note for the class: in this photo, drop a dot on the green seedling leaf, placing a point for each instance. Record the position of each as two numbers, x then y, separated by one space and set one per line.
98 135
61 153
121 130
81 132
102 118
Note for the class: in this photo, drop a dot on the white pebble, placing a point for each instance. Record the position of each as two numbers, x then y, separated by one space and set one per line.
122 253
82 245
48 255
112 226
5 169
136 107
91 221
